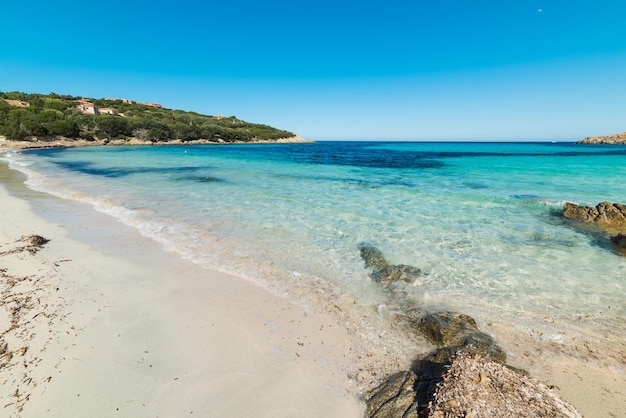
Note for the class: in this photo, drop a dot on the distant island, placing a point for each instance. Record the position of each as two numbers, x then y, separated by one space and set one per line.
62 120
609 139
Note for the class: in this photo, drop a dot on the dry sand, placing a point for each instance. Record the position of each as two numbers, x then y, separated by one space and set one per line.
91 333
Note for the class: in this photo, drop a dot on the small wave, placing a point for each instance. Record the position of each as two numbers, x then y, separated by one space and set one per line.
536 200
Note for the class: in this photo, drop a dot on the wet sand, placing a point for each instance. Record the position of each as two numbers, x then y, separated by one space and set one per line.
117 326
100 320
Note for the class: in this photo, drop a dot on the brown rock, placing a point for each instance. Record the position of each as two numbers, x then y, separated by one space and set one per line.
477 382
606 215
608 139
382 271
454 331
469 386
477 387
447 328
394 398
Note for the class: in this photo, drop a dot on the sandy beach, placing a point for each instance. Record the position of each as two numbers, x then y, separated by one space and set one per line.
118 327
100 321
335 210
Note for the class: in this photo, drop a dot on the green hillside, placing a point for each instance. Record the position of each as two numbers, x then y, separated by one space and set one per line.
49 115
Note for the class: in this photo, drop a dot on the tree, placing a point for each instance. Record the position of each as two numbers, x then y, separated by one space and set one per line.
12 126
63 127
184 132
112 126
55 114
49 115
37 103
15 95
58 104
22 123
212 132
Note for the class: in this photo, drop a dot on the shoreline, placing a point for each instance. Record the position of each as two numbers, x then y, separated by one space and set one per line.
61 142
137 331
592 390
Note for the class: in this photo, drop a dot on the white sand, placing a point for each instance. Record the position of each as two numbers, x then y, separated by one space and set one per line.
149 334
108 324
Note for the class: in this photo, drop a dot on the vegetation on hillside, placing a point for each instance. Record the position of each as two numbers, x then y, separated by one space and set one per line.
47 115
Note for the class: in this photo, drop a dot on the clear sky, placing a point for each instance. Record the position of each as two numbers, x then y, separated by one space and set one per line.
422 70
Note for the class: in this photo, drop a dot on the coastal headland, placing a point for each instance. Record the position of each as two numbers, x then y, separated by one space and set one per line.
151 334
616 139
53 120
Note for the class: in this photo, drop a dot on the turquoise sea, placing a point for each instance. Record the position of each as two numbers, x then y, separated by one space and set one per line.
481 220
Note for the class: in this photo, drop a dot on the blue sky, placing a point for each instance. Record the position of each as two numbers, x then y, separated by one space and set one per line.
403 70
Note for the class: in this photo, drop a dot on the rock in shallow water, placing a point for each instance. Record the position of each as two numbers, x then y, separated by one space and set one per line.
400 272
605 215
382 271
455 331
447 328
431 387
450 331
372 256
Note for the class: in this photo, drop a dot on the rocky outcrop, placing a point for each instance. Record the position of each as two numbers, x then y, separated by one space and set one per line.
453 331
609 139
607 217
469 385
396 397
464 376
449 331
473 386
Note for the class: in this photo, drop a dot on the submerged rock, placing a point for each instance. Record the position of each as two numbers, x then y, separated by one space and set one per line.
382 271
396 273
449 331
465 376
372 256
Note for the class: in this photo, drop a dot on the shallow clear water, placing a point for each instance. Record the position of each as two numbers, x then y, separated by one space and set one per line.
482 221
